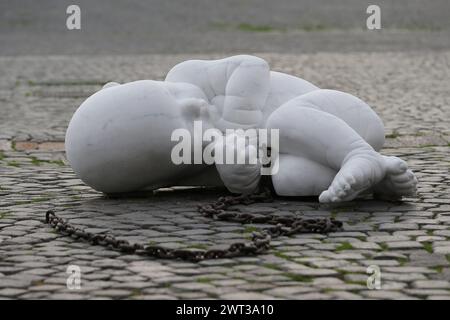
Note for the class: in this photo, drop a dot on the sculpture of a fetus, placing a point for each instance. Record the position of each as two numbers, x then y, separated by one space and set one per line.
119 139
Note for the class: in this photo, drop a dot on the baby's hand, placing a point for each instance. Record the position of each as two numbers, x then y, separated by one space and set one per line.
239 177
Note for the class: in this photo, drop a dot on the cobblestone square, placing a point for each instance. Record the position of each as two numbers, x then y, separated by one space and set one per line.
409 241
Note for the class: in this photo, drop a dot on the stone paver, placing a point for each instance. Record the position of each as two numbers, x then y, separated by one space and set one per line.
408 240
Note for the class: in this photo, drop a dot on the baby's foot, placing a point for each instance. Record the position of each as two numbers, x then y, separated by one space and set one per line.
399 180
359 173
242 177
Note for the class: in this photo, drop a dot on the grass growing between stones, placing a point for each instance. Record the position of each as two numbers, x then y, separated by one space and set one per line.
38 282
271 266
344 246
256 28
358 283
37 162
250 229
280 254
393 135
428 247
13 164
204 280
298 277
343 208
197 246
40 199
402 261
2 155
136 292
3 214
438 269
33 200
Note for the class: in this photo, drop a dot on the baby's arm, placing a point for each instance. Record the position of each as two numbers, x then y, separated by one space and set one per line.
238 86
246 91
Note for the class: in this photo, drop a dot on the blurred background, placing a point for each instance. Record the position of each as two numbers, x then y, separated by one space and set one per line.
30 27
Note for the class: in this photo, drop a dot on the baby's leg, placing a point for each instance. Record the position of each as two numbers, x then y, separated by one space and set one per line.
352 110
302 177
399 180
327 140
298 176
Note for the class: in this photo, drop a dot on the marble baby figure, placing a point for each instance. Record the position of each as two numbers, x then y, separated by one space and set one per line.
119 139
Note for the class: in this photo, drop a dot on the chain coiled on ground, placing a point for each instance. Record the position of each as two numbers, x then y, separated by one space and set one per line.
260 241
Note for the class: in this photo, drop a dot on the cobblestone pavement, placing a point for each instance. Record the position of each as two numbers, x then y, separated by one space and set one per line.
409 241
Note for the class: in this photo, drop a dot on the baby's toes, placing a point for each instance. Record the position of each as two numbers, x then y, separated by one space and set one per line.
402 178
342 187
407 189
406 179
411 184
396 166
326 197
344 183
347 182
340 193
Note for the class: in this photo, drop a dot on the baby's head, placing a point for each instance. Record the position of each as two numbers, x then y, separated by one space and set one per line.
119 139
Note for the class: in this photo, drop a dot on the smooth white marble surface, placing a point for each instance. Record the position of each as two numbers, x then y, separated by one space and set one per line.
119 140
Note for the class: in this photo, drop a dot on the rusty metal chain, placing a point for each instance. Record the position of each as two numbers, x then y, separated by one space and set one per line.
260 241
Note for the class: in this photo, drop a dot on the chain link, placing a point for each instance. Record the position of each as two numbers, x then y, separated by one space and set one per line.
260 241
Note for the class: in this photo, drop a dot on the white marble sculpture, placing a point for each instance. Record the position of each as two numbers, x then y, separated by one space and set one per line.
119 139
